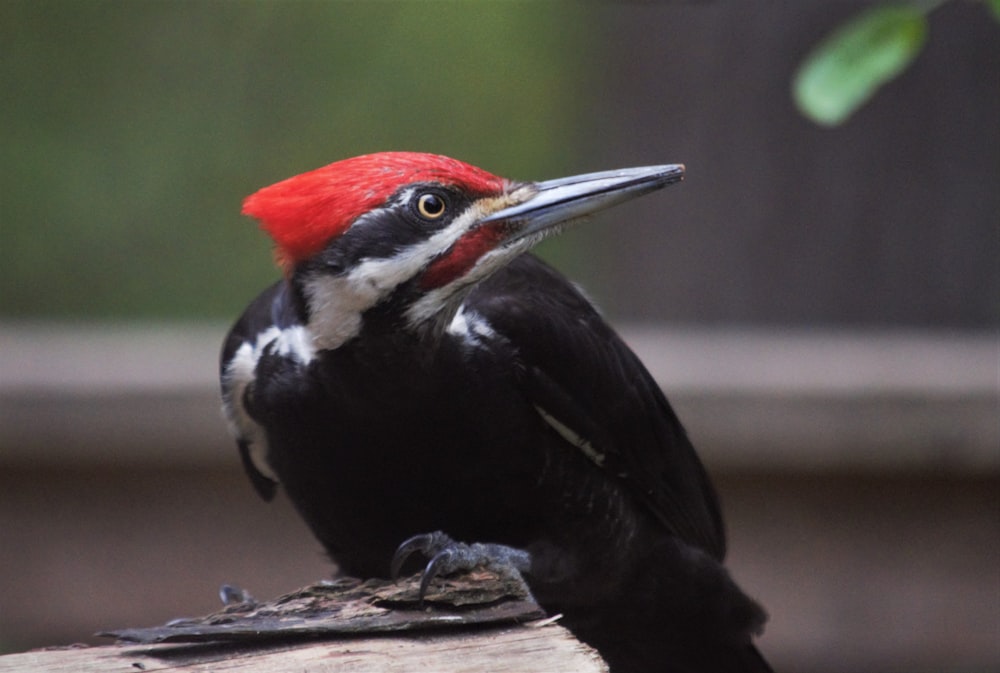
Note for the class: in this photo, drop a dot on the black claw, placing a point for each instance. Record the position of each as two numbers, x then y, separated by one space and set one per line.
429 544
432 570
447 556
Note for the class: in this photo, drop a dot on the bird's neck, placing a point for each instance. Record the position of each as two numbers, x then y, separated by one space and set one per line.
338 312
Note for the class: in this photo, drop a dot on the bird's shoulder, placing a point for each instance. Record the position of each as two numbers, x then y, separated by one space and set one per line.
270 317
271 311
594 390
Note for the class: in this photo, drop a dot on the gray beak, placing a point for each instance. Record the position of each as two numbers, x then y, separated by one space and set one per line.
555 201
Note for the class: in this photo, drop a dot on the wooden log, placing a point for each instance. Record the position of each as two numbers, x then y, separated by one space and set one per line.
526 649
480 621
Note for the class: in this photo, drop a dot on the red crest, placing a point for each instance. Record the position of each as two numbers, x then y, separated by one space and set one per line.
304 213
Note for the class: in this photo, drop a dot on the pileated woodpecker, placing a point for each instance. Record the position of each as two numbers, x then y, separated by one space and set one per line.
415 373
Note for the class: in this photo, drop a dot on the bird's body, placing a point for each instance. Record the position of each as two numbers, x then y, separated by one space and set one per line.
427 375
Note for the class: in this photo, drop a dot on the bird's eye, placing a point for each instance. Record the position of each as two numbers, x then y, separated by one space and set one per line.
431 206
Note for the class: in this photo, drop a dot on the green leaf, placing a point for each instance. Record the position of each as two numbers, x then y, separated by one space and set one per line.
849 66
994 6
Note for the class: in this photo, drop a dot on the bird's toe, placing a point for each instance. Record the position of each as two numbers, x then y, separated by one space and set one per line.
446 556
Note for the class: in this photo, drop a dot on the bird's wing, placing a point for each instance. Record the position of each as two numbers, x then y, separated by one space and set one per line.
237 369
588 384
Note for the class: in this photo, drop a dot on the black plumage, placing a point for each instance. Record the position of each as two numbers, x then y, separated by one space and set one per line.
520 419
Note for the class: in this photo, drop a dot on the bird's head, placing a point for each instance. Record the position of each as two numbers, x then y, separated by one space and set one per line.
414 232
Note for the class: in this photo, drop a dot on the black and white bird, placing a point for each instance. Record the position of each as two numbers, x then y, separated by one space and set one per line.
416 377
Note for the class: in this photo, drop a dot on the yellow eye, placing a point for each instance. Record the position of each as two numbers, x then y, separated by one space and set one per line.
431 206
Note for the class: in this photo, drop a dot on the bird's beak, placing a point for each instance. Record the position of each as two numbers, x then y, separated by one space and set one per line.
553 202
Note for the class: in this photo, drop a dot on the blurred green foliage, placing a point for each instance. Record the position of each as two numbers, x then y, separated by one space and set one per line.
852 63
132 130
849 66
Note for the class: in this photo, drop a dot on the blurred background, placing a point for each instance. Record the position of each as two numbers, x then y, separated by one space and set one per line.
820 304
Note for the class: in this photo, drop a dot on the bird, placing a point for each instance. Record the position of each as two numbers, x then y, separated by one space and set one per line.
419 383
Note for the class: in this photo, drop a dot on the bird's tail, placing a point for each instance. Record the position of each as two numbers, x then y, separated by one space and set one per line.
630 652
754 661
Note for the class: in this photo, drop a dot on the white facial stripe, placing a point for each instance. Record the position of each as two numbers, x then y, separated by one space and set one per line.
294 342
336 303
576 440
428 306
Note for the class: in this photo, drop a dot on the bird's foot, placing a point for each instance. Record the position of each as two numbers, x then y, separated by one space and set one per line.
448 556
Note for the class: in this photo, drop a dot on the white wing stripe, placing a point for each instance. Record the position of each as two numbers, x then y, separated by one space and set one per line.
576 440
294 342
